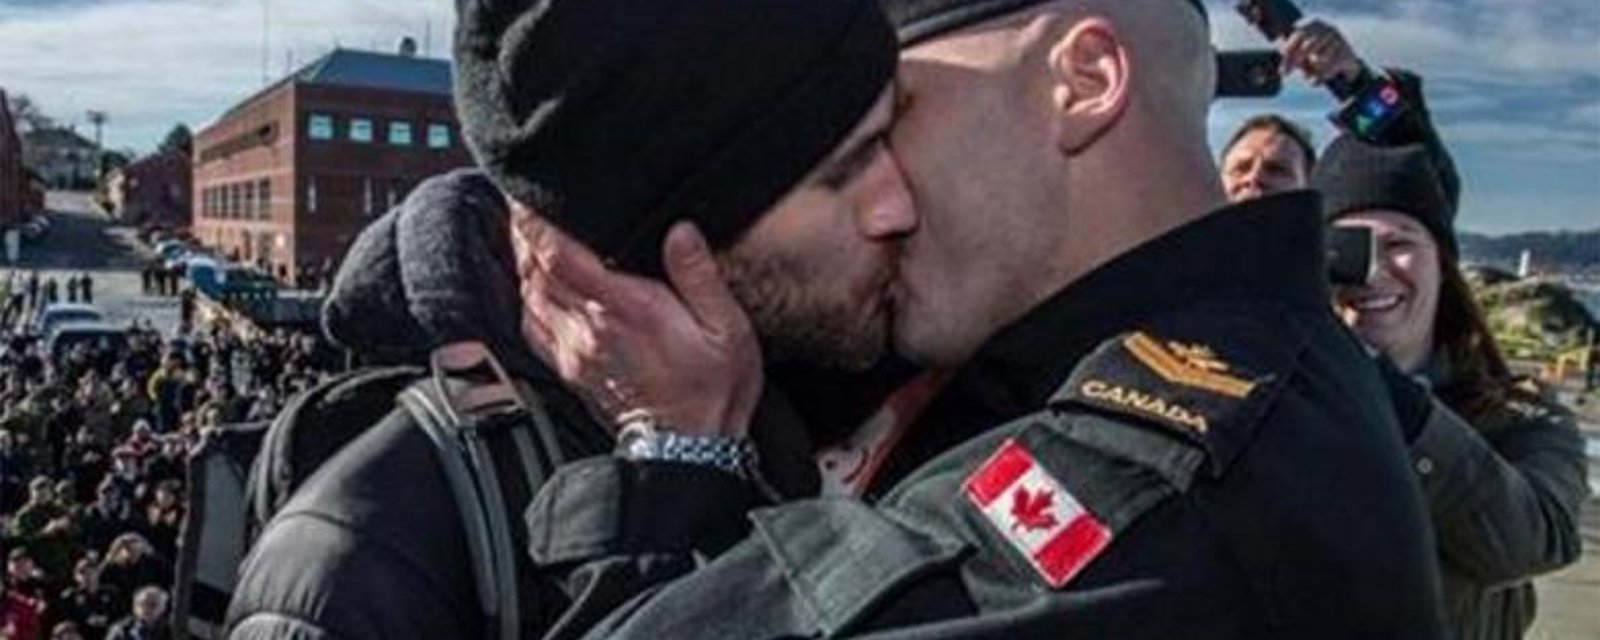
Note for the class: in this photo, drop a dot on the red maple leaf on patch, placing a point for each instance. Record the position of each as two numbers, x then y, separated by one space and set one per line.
1032 510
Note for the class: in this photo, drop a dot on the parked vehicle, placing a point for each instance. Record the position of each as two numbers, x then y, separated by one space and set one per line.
63 337
60 313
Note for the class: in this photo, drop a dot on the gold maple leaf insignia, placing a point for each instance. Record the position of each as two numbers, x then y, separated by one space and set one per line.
1198 356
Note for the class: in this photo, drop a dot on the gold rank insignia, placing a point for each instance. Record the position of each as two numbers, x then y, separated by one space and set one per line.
1194 366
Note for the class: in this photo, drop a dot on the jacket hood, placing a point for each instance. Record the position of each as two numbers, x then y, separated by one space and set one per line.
437 269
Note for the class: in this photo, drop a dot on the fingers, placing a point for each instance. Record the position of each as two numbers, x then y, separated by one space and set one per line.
1294 50
693 272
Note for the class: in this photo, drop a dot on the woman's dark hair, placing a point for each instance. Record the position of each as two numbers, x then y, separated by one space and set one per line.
1480 381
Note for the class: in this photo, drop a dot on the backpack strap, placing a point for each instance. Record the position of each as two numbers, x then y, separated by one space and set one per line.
467 398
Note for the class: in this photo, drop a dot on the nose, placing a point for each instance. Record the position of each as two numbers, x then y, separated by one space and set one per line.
888 210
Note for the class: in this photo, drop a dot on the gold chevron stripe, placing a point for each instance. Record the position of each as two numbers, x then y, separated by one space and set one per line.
1175 370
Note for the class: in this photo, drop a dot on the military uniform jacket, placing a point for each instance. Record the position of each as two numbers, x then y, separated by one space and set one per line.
1211 455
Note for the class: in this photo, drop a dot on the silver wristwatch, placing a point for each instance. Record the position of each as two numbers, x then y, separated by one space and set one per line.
643 438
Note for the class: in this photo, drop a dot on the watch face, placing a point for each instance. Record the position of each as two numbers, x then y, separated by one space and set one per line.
637 446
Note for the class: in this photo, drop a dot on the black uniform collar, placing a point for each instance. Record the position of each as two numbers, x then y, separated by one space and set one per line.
1268 249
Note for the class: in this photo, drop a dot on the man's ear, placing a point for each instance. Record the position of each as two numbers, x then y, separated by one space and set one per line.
1089 71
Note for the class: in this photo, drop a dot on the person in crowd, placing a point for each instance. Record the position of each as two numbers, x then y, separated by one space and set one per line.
21 615
164 515
109 516
186 309
89 604
1268 154
68 631
14 467
130 562
165 391
148 620
24 576
86 288
1503 468
33 290
40 509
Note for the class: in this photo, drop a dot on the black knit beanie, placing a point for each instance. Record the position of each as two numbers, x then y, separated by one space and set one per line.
918 20
615 119
1355 176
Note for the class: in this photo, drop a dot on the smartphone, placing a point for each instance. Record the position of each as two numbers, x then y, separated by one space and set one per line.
1350 255
1372 110
1275 18
1249 74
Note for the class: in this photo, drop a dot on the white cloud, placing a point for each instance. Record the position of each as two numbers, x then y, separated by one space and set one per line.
153 63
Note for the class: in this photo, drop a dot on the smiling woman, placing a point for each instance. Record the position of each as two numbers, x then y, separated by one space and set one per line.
1504 470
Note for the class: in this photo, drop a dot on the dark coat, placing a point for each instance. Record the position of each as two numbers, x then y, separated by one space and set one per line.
1504 492
1258 488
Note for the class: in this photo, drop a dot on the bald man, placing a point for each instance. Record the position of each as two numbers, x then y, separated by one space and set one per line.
1155 428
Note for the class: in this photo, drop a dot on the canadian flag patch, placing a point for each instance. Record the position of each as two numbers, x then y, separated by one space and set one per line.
1057 535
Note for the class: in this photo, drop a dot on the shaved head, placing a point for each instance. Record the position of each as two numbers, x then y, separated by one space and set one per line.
1039 145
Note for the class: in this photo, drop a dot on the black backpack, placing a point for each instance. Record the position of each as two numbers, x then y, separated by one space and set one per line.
241 475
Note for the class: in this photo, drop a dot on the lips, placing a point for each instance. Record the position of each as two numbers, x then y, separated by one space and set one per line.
1377 303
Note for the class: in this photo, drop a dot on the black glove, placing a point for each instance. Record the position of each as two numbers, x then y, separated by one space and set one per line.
1412 401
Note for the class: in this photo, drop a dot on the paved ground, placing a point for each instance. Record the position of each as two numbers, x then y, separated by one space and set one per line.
82 240
1569 600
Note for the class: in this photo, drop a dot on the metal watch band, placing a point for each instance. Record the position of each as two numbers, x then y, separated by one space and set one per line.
645 440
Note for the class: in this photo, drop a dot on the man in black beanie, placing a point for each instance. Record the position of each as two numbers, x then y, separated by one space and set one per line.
1153 426
754 134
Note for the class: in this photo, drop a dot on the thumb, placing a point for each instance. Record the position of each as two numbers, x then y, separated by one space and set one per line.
693 272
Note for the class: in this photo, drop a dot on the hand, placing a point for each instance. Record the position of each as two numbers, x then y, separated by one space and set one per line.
685 354
1320 52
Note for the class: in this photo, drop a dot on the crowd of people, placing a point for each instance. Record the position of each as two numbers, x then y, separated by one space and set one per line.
92 449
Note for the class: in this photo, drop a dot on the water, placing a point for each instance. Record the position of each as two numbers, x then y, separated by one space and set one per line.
1591 299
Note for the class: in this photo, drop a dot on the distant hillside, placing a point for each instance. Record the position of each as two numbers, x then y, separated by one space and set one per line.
1561 251
1531 318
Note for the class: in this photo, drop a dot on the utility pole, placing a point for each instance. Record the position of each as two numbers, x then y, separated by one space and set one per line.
98 119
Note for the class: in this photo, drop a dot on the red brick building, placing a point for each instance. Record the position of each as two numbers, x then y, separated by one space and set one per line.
154 191
14 180
292 174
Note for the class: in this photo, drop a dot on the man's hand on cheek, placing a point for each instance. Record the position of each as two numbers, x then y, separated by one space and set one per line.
686 355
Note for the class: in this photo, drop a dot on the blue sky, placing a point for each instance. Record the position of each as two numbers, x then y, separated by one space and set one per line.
1514 84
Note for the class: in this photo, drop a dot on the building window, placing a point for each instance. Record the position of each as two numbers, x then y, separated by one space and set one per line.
264 199
320 127
361 129
248 194
400 134
233 201
311 194
438 136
